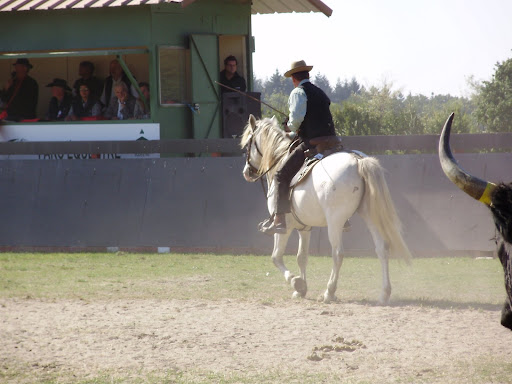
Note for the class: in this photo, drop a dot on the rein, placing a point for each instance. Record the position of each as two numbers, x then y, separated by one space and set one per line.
248 159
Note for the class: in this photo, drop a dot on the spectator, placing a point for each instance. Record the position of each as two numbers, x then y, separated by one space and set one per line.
20 93
230 77
145 113
95 85
117 76
123 105
60 103
85 105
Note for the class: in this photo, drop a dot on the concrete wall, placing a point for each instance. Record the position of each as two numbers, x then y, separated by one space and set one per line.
204 204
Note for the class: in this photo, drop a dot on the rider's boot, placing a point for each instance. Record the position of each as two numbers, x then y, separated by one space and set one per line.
277 226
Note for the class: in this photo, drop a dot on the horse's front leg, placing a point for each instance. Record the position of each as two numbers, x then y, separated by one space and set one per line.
280 241
299 283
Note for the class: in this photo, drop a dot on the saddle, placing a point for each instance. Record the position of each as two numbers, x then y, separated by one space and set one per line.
327 145
323 146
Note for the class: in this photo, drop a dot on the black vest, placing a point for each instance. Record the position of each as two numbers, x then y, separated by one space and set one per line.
79 110
59 111
318 120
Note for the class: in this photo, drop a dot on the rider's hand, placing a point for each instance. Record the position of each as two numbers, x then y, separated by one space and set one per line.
285 125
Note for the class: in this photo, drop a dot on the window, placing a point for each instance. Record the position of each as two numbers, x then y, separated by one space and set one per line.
174 76
65 65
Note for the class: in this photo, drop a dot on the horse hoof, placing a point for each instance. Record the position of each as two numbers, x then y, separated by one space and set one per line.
383 302
288 276
327 299
297 295
299 285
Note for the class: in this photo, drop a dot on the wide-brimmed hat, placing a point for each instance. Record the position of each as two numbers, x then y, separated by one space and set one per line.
59 83
298 66
23 62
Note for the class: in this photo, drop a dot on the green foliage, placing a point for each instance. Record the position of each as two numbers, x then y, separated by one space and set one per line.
322 82
278 101
342 91
382 111
377 110
494 99
277 83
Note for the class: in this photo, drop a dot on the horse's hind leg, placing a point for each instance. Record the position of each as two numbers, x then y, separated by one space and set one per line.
335 234
299 283
382 250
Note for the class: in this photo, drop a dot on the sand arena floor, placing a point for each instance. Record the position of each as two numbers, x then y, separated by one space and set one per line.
360 342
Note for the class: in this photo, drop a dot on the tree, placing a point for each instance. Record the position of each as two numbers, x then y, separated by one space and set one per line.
494 99
257 84
277 84
322 82
342 91
382 111
378 110
278 101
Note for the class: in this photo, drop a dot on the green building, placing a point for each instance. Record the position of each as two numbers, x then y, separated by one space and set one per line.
178 47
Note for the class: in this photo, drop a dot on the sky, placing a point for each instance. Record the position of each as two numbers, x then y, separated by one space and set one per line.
417 46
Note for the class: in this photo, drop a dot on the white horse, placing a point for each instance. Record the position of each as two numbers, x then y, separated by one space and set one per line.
337 187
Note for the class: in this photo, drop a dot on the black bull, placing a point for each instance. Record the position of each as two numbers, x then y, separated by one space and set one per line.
498 197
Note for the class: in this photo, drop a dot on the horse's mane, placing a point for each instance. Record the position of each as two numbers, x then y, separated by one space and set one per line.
272 142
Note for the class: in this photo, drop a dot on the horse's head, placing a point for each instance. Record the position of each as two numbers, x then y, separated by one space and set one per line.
265 143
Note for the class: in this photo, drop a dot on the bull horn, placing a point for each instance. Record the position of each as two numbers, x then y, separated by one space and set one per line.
473 186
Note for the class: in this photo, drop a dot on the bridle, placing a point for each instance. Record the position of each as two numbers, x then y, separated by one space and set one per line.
253 169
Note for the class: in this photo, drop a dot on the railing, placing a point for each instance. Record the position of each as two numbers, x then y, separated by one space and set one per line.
191 147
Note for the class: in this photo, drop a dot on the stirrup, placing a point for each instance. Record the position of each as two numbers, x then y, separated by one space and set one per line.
265 224
273 229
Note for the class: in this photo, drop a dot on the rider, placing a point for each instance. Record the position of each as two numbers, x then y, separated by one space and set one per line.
309 117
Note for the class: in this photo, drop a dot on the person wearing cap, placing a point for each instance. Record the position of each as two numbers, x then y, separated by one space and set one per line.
309 117
20 94
60 103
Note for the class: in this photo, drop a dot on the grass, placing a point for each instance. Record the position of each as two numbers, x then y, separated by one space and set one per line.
440 281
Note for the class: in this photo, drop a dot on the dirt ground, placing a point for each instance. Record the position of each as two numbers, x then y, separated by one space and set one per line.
361 342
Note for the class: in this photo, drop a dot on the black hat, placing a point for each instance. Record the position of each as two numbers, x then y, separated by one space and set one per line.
59 83
23 62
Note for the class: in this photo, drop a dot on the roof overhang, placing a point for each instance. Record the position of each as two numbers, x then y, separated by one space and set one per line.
288 6
257 7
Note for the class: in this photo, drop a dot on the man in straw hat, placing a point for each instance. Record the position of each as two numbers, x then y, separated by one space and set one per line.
20 93
309 117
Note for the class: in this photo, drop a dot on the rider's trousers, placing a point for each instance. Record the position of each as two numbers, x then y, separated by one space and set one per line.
284 176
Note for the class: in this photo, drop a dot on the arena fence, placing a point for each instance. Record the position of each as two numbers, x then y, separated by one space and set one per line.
200 202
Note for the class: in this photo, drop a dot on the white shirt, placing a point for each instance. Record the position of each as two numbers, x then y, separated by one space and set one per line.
297 104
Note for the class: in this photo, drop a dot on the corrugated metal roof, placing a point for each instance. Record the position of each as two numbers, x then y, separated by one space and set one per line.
287 6
258 6
31 5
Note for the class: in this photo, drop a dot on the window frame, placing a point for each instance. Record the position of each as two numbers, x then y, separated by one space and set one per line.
184 74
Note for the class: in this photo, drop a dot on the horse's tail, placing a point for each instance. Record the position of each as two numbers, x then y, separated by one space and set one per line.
381 208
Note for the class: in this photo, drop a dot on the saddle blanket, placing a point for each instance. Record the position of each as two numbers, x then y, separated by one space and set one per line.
309 164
